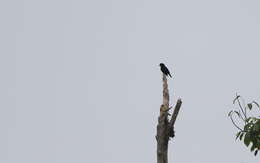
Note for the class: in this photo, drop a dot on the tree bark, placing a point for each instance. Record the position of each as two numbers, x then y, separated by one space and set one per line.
165 127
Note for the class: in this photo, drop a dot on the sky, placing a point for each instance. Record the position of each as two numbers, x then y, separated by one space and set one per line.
80 80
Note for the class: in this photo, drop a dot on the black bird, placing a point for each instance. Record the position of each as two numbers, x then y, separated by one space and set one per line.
165 70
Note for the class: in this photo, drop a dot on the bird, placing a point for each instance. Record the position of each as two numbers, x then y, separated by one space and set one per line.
165 70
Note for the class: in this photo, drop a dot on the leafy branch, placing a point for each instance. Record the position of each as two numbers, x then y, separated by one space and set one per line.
250 131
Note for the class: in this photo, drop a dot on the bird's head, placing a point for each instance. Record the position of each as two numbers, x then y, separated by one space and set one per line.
161 64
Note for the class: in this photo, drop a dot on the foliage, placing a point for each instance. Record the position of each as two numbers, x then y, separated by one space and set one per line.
249 132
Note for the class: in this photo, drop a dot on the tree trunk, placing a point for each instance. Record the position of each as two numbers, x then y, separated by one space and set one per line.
165 128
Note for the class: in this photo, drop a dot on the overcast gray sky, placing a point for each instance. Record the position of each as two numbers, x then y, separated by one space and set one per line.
80 80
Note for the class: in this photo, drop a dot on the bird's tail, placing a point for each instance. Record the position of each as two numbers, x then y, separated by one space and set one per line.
170 75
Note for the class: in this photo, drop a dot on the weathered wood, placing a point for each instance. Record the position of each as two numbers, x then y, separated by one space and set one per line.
165 128
175 112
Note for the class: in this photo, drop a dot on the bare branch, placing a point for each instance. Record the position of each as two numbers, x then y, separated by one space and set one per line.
165 92
175 113
164 132
241 108
231 117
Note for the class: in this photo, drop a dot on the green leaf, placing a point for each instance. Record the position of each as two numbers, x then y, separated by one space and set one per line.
250 106
238 134
252 148
241 136
256 127
248 119
256 152
258 124
246 127
247 139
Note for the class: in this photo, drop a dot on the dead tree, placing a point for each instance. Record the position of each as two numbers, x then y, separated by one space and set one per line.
165 127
